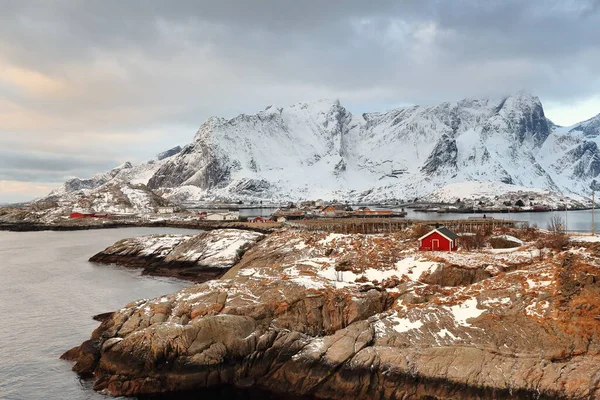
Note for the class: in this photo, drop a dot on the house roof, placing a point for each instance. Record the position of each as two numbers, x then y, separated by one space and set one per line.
445 232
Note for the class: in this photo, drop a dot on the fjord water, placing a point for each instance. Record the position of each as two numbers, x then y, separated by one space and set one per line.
580 220
48 295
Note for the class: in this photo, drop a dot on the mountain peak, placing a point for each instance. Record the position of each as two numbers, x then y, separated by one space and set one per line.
125 165
590 127
168 153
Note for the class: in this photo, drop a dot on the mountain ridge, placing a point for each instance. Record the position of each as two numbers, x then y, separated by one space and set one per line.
320 149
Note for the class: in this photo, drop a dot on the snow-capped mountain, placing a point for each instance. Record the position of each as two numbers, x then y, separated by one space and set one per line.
320 149
122 189
571 155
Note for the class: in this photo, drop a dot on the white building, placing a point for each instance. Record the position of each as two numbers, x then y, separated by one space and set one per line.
223 215
166 210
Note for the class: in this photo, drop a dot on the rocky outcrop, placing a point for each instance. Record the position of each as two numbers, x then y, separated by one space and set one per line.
352 317
199 258
444 155
168 153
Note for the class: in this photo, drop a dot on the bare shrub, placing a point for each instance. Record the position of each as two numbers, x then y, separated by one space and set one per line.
556 241
420 230
504 230
540 244
527 233
344 265
556 224
480 237
487 230
472 242
467 242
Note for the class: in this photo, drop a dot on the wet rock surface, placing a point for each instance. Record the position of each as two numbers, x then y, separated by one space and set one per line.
353 316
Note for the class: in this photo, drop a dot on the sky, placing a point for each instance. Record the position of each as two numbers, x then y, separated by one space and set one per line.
87 85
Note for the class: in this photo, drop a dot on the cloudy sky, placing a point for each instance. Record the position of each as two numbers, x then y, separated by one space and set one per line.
87 85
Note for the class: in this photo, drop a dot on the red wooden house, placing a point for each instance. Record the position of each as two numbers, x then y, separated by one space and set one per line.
439 239
78 214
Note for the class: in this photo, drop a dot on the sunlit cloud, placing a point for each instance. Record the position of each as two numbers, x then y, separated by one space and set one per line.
15 191
32 82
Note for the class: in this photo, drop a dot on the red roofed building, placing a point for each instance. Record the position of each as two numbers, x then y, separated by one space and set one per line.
77 214
439 239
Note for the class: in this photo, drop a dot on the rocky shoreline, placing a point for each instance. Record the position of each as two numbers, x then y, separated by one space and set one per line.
181 270
336 316
197 258
89 225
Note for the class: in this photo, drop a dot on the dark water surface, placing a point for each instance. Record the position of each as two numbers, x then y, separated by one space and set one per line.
48 294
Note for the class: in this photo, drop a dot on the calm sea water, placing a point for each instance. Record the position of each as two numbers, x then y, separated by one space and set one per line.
575 220
48 294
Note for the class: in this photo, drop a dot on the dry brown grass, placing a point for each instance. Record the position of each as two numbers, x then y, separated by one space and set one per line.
420 230
556 241
526 233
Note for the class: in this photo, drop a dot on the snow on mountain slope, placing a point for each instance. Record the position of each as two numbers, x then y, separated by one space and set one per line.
121 198
76 184
168 153
121 190
299 148
571 154
125 173
321 150
589 128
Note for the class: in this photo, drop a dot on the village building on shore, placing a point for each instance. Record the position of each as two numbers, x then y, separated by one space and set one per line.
332 210
223 215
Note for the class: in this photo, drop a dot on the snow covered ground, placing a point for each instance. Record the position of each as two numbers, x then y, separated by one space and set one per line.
586 239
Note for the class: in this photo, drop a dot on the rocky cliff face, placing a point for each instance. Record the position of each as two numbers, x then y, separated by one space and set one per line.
362 317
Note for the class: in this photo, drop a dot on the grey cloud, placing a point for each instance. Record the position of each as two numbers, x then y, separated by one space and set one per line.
341 46
40 167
